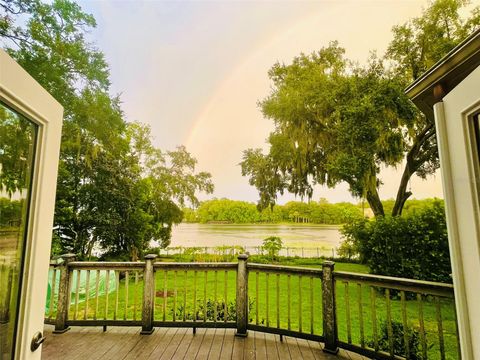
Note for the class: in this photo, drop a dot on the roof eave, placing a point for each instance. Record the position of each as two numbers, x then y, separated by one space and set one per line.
447 73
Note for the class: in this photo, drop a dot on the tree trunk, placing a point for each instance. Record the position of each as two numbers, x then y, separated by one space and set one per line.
415 159
402 194
375 203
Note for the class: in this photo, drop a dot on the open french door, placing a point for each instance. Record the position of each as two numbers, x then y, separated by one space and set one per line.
458 131
30 133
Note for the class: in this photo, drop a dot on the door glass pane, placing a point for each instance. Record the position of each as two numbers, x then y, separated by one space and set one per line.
17 146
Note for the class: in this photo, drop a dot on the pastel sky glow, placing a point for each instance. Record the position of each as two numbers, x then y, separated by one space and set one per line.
195 70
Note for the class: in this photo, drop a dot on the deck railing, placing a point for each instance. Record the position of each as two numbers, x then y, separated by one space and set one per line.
377 316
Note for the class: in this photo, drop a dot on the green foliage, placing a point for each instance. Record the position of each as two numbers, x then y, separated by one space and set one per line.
10 212
241 212
398 332
227 211
213 311
272 246
116 191
414 246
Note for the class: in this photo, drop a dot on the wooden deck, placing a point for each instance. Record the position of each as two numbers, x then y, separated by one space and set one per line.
90 343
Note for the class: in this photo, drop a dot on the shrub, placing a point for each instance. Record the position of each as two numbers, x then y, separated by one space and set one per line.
415 246
398 332
272 245
212 306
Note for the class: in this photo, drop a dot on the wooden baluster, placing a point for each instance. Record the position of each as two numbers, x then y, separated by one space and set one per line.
278 301
373 307
300 303
267 303
195 295
360 312
174 317
438 312
257 310
97 283
107 291
52 293
205 296
288 303
225 285
347 308
389 322
405 325
117 293
215 279
135 297
126 295
423 340
311 305
87 293
77 292
185 296
165 294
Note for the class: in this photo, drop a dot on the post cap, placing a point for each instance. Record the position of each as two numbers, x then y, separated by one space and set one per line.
68 256
150 256
328 263
242 257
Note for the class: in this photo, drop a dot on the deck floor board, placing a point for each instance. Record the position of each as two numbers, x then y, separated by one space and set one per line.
177 343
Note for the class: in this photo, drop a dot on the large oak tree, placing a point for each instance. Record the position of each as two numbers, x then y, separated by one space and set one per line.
336 121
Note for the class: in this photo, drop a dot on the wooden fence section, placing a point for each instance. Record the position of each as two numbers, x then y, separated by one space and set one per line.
396 318
377 316
224 250
195 295
274 308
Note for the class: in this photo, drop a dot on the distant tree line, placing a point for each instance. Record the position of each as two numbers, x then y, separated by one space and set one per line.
315 212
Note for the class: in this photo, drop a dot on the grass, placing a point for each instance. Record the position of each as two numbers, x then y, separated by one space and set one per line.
305 305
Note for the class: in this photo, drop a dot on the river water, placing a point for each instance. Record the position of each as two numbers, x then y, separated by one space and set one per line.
294 236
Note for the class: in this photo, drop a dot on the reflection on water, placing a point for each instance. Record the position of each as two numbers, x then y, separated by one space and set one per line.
253 235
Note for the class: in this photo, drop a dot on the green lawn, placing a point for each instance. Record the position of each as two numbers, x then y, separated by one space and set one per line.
304 299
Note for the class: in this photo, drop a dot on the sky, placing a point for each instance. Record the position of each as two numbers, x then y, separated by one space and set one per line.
195 71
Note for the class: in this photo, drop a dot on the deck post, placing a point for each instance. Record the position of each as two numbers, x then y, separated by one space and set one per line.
330 332
242 296
148 295
63 303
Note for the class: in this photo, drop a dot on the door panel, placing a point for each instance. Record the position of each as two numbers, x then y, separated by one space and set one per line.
17 148
30 133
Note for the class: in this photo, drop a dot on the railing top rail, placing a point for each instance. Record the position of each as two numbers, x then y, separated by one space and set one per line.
101 265
285 269
418 286
195 265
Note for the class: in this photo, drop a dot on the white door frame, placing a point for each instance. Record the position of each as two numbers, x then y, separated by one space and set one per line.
22 93
460 169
